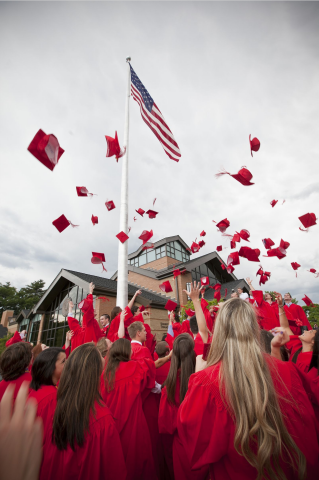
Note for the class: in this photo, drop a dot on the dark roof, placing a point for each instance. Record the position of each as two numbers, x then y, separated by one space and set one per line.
241 283
22 315
111 285
159 243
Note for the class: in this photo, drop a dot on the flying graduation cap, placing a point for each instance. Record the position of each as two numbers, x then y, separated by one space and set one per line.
46 149
94 220
254 145
308 220
195 247
204 281
122 237
268 243
273 203
83 192
219 248
151 213
113 147
146 235
307 301
222 225
98 259
201 243
244 234
251 254
295 266
110 205
202 234
62 223
233 259
243 176
140 211
170 305
166 287
148 246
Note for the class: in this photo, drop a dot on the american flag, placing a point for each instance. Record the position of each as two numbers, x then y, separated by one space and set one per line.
153 117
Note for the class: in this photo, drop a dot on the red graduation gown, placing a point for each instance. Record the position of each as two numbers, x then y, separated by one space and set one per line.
199 344
206 430
90 330
125 402
150 339
304 358
100 457
186 328
26 377
162 372
297 313
266 316
115 323
46 401
208 317
15 339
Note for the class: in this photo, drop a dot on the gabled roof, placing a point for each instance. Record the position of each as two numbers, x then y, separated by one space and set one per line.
103 285
22 315
161 242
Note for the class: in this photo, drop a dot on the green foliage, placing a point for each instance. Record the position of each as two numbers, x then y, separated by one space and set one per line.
293 300
190 304
3 342
24 299
312 314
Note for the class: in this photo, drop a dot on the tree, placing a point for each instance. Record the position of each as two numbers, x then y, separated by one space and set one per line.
24 299
190 305
312 313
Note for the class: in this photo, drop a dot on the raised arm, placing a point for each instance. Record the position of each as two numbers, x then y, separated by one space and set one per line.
73 322
250 284
282 314
161 361
281 337
200 317
121 330
131 302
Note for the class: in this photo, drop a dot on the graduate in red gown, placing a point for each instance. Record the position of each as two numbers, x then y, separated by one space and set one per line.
122 384
46 372
185 326
138 316
83 441
162 351
115 319
173 393
14 367
239 404
90 330
296 312
105 321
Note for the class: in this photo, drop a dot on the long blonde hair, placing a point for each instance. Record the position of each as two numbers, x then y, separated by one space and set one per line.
246 383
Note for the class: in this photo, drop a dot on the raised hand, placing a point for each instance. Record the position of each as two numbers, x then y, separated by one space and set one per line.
91 288
71 306
281 337
279 299
195 291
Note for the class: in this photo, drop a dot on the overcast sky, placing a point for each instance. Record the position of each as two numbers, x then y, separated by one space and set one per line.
218 72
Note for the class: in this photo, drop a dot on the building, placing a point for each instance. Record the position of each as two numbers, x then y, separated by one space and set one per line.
47 321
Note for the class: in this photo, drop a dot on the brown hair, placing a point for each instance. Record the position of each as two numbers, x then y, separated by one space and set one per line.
248 389
115 312
102 347
134 328
15 360
134 309
161 349
119 352
35 351
183 359
77 393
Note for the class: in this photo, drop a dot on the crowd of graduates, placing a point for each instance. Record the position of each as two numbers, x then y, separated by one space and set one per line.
232 392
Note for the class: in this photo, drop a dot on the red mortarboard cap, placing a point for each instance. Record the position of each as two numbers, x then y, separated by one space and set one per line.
233 259
146 235
204 281
62 223
176 272
273 203
295 266
268 243
230 269
312 270
97 257
236 238
263 279
166 287
217 286
250 253
260 271
217 295
83 192
308 220
46 149
140 211
223 225
113 147
110 205
243 176
258 296
307 301
276 252
95 220
267 273
189 312
202 234
284 244
244 234
148 245
84 305
122 237
201 243
232 244
151 213
195 247
219 248
170 305
254 145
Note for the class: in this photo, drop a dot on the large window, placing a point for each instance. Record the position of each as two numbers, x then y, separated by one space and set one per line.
34 329
172 249
24 324
204 271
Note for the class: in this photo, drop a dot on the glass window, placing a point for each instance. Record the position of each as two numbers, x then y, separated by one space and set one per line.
142 259
177 245
178 255
163 249
151 256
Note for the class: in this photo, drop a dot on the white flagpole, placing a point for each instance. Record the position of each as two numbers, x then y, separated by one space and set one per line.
122 269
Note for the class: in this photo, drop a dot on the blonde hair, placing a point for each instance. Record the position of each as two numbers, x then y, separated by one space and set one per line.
246 383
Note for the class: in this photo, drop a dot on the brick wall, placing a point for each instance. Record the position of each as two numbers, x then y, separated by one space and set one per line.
105 306
5 317
151 283
163 262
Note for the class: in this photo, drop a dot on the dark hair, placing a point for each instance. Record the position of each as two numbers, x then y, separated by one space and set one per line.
161 349
119 352
134 309
105 315
15 360
79 389
315 353
43 367
193 325
183 359
134 328
164 337
115 312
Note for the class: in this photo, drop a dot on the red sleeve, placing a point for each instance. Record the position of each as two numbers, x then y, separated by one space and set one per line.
74 325
114 328
150 339
170 340
208 317
177 328
67 350
15 339
293 345
303 361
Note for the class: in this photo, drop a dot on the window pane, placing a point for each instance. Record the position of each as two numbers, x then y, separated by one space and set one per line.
178 255
177 245
142 259
151 256
59 337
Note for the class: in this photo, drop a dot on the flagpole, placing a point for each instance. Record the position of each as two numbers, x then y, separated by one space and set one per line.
122 268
